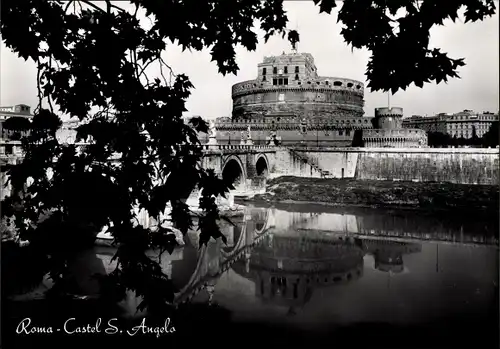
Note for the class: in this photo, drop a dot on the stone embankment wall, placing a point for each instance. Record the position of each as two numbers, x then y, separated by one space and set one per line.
461 166
288 164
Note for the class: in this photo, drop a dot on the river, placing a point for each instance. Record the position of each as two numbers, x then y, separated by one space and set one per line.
312 267
363 272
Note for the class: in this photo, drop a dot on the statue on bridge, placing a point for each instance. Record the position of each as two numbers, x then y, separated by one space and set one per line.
273 139
249 136
212 133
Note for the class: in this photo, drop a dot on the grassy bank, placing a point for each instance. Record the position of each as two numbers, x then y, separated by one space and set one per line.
350 192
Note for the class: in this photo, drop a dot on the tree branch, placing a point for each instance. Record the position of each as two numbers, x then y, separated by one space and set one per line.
92 5
68 4
39 90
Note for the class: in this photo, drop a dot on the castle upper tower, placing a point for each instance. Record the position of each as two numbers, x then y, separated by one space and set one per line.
389 131
290 84
389 118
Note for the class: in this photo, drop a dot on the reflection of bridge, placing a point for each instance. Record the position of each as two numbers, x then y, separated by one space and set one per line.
212 259
215 258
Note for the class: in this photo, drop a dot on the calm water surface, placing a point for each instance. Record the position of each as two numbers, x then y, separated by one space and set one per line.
311 268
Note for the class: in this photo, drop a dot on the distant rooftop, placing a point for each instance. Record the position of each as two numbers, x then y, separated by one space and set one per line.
15 110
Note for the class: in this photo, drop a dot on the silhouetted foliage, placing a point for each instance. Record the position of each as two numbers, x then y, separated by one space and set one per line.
492 136
138 151
439 139
400 43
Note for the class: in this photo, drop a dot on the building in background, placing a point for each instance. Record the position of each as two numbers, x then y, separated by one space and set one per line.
10 145
22 111
461 125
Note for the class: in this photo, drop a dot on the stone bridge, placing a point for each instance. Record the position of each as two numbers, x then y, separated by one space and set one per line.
245 166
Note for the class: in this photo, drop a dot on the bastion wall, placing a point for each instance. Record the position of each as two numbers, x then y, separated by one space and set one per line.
461 166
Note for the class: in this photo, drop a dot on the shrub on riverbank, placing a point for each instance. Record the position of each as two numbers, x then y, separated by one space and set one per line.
382 193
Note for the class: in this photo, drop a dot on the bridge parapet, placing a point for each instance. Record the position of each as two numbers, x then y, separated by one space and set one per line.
207 148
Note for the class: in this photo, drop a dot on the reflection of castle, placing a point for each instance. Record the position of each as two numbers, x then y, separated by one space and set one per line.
286 263
286 270
389 254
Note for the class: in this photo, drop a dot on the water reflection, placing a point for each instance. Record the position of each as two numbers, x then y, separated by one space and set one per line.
342 267
287 269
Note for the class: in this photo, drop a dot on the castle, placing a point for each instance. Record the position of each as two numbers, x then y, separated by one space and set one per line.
291 104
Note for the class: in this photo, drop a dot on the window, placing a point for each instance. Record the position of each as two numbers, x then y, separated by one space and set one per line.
280 82
341 133
9 149
296 69
327 83
286 70
264 78
275 70
280 71
296 76
264 71
285 81
348 132
274 81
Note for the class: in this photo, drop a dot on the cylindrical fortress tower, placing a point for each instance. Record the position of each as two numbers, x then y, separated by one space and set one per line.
389 118
290 85
290 104
389 131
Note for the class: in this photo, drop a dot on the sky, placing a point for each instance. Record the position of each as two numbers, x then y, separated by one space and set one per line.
478 88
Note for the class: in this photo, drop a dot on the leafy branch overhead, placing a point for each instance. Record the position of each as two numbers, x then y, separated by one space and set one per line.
137 152
397 34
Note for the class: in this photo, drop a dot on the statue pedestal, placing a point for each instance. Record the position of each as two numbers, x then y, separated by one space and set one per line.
212 141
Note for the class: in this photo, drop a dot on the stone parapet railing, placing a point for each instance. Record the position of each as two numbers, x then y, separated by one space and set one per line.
237 147
287 123
399 150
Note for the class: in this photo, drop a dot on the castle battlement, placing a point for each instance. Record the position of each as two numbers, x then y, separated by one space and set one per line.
290 83
317 84
394 111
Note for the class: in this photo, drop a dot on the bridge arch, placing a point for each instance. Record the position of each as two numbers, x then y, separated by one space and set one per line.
261 225
233 171
262 165
199 278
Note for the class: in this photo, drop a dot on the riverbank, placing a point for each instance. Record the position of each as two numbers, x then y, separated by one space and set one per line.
384 194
